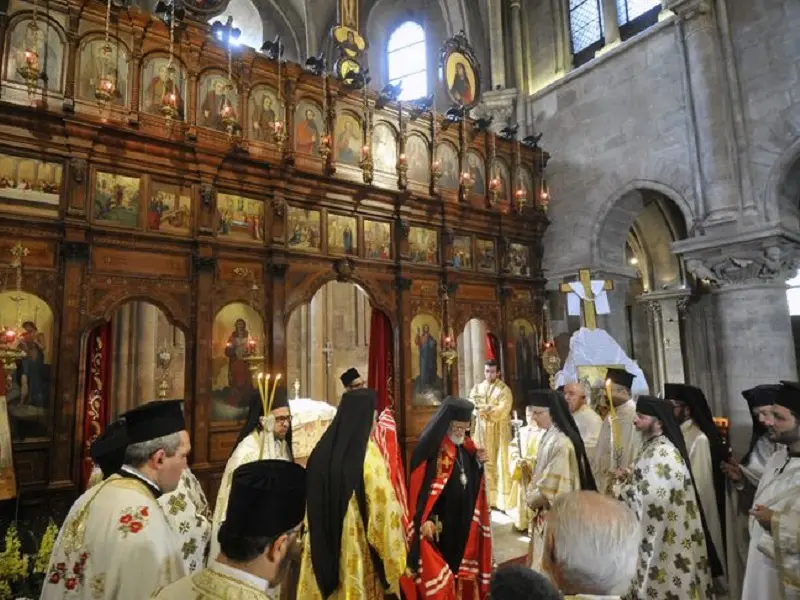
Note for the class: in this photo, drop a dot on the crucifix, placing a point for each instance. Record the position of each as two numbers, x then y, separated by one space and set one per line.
327 350
438 531
583 289
348 14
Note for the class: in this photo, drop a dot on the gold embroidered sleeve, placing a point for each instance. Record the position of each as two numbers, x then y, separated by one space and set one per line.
385 530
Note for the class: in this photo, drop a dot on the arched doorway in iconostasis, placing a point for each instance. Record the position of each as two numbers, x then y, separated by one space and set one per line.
136 356
476 344
338 330
28 356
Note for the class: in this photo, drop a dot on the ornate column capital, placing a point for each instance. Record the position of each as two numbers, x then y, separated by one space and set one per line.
767 261
688 9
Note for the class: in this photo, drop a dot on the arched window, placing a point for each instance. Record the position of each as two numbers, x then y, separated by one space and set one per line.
793 294
406 58
634 16
247 19
585 29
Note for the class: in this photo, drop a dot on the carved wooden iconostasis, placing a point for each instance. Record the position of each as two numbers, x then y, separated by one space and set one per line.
176 224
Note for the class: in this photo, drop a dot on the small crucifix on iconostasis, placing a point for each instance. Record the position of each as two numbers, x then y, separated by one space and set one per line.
350 42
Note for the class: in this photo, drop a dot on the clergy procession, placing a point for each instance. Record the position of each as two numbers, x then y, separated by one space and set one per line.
648 503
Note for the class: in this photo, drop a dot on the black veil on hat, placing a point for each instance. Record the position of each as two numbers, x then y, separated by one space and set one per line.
335 471
452 409
108 450
662 410
620 377
267 499
789 396
256 411
761 395
563 419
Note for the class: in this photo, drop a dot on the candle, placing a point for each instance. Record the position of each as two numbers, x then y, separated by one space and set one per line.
515 416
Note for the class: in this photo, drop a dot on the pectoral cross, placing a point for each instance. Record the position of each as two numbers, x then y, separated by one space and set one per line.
589 312
438 531
327 350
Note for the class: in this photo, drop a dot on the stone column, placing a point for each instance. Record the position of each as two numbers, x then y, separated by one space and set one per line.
516 38
710 109
665 309
752 324
496 46
610 24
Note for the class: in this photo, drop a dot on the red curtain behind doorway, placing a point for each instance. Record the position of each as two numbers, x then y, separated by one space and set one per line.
95 394
381 358
492 347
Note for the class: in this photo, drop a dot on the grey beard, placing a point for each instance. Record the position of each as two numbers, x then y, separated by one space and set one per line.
456 439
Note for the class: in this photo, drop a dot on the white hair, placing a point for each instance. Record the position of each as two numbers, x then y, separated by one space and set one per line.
138 454
595 543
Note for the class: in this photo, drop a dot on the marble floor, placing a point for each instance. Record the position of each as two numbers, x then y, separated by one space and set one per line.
507 544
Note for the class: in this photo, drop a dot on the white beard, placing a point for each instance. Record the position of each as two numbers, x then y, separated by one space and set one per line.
456 439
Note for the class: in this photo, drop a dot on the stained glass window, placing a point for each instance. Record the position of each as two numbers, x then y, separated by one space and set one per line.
247 19
628 10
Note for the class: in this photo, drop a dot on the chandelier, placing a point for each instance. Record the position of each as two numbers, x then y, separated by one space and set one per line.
30 70
169 100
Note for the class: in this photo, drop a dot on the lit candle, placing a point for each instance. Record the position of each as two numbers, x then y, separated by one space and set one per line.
365 151
403 159
274 389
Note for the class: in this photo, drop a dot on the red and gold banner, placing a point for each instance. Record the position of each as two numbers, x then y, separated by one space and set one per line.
96 390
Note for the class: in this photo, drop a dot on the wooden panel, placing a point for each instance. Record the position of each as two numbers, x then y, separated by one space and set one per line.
221 446
425 287
524 296
31 467
481 293
41 254
112 260
418 417
229 270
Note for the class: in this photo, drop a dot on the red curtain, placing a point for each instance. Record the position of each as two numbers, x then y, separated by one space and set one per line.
96 391
492 347
381 359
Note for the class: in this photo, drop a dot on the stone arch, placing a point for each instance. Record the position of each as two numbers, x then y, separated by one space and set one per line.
782 194
784 145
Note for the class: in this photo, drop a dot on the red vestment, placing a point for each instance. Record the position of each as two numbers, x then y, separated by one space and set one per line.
385 437
434 580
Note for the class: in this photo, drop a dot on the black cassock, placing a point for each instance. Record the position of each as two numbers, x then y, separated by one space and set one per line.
455 508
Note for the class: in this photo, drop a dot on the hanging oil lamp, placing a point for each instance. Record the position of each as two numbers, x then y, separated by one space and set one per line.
30 70
494 188
280 124
106 85
325 142
169 99
367 164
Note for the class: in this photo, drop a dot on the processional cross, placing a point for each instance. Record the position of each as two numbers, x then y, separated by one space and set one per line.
587 295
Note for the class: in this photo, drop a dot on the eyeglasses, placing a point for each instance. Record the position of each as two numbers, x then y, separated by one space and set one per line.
536 413
283 419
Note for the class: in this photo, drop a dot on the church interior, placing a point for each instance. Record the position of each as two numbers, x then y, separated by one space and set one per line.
193 192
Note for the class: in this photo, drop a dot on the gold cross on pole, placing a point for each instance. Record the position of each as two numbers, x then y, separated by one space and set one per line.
588 308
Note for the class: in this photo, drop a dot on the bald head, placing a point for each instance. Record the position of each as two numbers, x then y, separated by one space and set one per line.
575 395
591 545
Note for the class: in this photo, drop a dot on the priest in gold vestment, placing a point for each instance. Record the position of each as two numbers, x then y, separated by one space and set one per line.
355 548
261 438
523 448
263 522
493 401
116 542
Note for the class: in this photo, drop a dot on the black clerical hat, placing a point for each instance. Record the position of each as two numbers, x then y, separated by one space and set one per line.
153 420
542 398
789 396
349 376
268 498
517 581
108 450
762 395
620 377
281 399
461 409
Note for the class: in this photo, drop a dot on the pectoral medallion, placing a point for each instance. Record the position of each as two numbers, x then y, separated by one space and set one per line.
463 479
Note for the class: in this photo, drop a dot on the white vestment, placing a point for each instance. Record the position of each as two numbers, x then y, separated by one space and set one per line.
703 470
589 424
603 463
189 516
736 511
115 544
773 558
217 582
249 450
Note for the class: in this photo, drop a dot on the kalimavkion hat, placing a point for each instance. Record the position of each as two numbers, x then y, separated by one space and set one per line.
349 376
268 498
762 395
153 420
620 377
789 396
